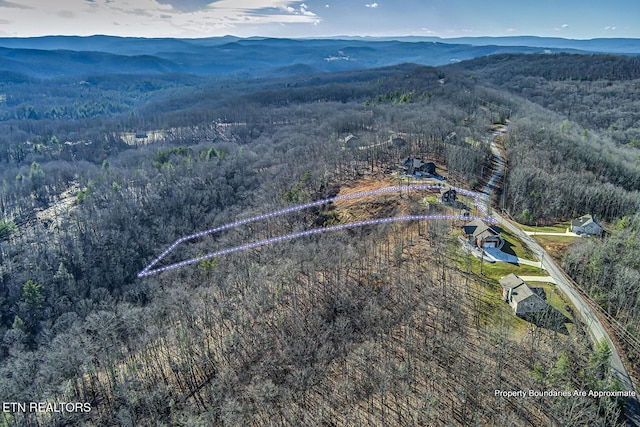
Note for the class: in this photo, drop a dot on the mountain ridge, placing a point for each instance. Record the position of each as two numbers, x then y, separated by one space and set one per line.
59 56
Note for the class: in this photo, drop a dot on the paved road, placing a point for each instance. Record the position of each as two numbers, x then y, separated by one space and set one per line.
595 327
498 161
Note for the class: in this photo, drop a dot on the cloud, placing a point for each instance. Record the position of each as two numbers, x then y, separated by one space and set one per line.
562 27
301 10
186 5
154 18
512 30
372 5
66 14
13 5
609 28
304 9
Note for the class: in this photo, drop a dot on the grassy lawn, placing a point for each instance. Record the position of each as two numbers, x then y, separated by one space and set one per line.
514 246
472 142
554 239
493 310
558 228
432 199
554 298
498 270
493 271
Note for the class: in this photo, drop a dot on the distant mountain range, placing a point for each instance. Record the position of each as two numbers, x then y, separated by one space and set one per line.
61 56
603 45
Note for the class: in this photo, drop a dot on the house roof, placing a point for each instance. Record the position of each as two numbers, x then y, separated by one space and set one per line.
511 281
416 163
521 293
524 291
539 292
520 290
489 232
410 161
479 229
583 221
470 228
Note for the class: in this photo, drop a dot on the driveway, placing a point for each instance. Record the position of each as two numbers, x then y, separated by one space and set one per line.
498 255
539 233
546 279
474 250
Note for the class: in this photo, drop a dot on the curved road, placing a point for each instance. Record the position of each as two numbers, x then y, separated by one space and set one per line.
597 330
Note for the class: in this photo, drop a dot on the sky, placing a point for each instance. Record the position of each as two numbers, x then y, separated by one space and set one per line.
575 19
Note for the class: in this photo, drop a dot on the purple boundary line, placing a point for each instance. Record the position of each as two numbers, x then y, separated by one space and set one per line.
148 269
302 234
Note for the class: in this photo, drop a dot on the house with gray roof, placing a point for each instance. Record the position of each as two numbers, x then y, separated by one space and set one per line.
482 235
587 225
417 167
523 298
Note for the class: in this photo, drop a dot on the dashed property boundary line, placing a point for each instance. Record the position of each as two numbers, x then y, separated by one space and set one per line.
147 271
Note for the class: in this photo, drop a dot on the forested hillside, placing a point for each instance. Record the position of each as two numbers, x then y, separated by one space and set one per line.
598 92
576 151
610 272
384 325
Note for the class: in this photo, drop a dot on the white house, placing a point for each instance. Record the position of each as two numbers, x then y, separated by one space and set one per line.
586 224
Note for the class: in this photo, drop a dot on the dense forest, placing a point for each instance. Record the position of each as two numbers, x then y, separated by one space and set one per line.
576 151
382 325
598 92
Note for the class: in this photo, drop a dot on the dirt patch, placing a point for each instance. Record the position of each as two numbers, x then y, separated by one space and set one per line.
61 207
396 203
554 247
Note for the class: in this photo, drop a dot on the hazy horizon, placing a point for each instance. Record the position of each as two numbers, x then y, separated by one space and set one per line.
571 19
328 37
